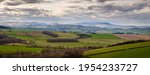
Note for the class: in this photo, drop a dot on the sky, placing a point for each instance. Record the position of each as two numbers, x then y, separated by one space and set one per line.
122 12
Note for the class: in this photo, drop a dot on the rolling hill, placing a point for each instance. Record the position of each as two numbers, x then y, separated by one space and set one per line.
85 27
122 51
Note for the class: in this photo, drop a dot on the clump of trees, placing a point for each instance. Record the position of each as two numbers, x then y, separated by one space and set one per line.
63 40
50 33
6 40
123 33
83 36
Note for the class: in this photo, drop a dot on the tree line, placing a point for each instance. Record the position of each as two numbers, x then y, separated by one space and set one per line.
6 40
63 40
50 33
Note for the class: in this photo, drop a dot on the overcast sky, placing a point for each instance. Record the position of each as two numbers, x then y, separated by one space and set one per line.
122 12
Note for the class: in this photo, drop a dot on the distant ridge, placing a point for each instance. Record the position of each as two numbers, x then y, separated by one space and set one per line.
4 27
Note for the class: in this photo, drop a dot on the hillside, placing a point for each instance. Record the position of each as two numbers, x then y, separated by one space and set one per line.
35 43
86 27
125 51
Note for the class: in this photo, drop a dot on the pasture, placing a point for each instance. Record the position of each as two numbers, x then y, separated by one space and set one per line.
128 50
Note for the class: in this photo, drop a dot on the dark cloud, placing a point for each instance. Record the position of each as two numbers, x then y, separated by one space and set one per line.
19 2
32 1
98 0
28 11
125 8
12 3
103 0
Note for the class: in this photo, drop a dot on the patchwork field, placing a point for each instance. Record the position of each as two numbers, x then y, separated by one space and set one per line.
70 44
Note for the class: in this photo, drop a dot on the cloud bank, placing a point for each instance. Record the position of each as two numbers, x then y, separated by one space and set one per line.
125 12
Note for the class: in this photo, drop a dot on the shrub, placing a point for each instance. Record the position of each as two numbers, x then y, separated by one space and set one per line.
83 36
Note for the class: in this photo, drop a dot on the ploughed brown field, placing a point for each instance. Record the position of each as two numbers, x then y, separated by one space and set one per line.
133 36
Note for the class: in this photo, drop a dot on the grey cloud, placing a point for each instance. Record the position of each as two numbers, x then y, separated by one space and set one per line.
103 0
112 7
32 1
11 3
123 8
98 0
97 8
19 2
75 1
28 11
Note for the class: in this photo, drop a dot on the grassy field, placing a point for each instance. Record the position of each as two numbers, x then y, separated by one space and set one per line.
143 52
65 44
127 50
104 36
13 49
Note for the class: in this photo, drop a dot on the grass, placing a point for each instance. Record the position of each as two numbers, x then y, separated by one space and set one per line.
104 42
34 35
65 44
37 38
98 52
104 36
143 52
13 49
103 39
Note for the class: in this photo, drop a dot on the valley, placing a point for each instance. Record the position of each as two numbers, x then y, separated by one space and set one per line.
58 44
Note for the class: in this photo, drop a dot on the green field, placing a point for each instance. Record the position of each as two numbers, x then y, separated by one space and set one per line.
143 52
13 49
127 50
104 36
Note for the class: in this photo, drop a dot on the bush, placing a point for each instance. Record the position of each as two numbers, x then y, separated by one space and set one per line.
83 36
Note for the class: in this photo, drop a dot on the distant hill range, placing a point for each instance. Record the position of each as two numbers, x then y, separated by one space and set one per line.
92 27
4 27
